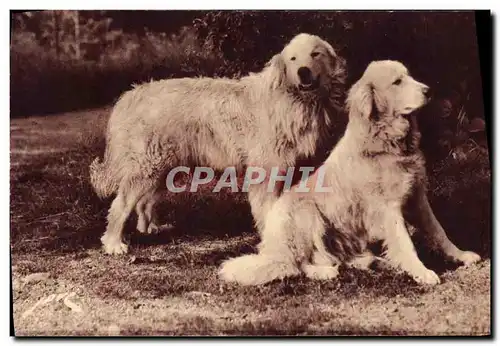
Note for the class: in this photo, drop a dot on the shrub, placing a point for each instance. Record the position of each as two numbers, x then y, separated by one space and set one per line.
42 82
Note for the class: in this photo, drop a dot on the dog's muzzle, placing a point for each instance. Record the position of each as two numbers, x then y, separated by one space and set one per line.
310 87
427 94
307 80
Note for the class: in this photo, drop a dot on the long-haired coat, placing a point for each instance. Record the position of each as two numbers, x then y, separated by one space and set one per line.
268 119
371 174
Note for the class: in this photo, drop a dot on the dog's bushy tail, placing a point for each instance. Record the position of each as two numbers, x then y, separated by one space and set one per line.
102 179
257 269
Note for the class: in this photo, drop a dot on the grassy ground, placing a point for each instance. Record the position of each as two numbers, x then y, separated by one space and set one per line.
167 285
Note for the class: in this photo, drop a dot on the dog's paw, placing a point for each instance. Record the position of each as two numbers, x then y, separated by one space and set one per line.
319 272
426 277
467 258
256 269
153 228
142 226
242 270
226 272
364 262
114 247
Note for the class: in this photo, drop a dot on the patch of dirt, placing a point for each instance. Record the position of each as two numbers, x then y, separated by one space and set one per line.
205 306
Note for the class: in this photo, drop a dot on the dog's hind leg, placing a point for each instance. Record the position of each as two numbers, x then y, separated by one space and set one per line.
257 269
131 190
367 260
147 217
434 233
363 261
322 267
143 220
320 272
152 215
399 248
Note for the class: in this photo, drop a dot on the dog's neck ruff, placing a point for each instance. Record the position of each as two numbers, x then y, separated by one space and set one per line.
380 141
330 98
412 140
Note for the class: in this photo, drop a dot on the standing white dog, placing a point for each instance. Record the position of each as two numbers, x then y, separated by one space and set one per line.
371 172
267 119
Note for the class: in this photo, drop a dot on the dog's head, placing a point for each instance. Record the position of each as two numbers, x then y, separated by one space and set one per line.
387 89
308 63
383 99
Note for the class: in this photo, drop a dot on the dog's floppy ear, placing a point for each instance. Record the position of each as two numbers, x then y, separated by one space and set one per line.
276 71
330 50
338 64
335 58
361 100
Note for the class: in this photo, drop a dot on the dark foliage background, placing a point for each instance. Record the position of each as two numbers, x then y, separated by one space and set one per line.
120 47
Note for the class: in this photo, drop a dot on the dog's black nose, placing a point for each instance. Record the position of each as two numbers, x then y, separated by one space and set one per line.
305 75
426 91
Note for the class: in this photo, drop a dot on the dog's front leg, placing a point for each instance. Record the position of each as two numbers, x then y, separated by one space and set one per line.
400 251
265 188
434 234
261 200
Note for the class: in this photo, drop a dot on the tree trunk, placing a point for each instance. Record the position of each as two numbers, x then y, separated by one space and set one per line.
76 18
56 32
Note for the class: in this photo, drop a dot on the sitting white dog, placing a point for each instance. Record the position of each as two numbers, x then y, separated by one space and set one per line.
371 172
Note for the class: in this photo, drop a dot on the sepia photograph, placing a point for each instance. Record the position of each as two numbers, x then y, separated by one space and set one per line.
250 173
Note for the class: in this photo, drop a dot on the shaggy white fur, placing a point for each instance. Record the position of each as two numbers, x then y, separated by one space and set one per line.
371 172
267 119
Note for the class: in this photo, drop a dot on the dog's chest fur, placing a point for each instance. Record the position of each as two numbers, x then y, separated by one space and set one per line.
301 131
399 167
396 177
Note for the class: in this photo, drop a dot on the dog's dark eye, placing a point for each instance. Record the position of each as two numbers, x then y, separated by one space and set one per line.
397 81
293 58
314 54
